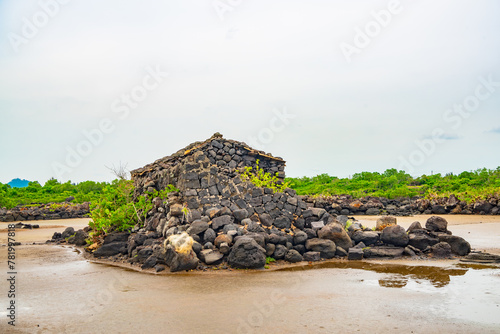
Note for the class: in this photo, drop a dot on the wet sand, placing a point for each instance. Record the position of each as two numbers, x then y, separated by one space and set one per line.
59 291
45 232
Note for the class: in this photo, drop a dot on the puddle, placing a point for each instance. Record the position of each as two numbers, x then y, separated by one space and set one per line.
398 275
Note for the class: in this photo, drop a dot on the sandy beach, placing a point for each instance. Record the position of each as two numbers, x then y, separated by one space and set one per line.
60 291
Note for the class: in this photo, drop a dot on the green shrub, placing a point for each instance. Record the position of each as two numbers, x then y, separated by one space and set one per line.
260 178
116 209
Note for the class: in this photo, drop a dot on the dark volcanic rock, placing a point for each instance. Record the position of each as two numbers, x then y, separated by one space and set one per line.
383 251
326 247
458 244
111 249
293 256
300 237
246 253
395 235
414 226
312 256
436 224
149 263
336 233
422 240
279 252
116 237
441 250
210 256
221 221
68 232
367 237
80 237
209 235
355 254
240 214
179 261
197 227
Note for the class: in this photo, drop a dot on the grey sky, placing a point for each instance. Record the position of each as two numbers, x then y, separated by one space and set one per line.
379 110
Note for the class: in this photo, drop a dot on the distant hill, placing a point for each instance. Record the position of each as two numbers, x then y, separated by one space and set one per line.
18 183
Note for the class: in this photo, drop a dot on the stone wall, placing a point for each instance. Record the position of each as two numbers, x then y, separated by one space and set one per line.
346 205
45 211
203 169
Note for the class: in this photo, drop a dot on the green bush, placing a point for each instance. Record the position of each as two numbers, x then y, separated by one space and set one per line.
392 184
117 210
260 178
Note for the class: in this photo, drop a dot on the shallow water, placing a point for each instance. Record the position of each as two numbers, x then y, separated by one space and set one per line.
59 291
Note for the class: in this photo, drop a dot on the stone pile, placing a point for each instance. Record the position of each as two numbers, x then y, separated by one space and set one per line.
233 223
374 206
63 210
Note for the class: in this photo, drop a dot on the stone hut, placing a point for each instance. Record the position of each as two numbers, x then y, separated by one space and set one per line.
207 168
217 218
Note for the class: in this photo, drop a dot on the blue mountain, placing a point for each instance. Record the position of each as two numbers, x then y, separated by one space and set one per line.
18 183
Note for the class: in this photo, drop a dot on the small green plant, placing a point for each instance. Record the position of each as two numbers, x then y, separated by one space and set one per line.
260 178
348 224
117 210
269 260
186 213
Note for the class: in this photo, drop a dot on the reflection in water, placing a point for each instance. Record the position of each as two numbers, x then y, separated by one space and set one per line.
398 275
393 282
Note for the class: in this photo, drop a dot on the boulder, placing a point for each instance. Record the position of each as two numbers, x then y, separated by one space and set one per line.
441 250
282 222
341 252
312 256
458 244
80 238
438 210
180 261
209 235
219 222
385 221
395 235
197 227
414 226
266 219
355 254
422 240
367 237
317 225
336 233
300 237
111 249
149 263
68 232
246 253
270 248
293 256
210 256
372 211
383 251
224 248
326 247
240 214
258 237
223 238
176 210
279 252
436 224
116 237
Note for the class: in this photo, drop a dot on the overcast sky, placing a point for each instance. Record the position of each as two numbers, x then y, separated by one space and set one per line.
333 87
